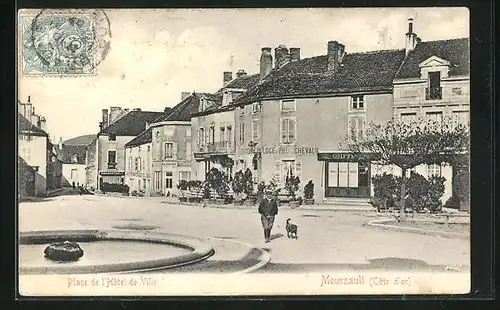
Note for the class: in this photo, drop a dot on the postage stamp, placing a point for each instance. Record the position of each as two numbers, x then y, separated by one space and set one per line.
62 43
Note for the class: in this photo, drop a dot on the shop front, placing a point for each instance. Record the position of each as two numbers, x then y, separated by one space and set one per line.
345 176
111 177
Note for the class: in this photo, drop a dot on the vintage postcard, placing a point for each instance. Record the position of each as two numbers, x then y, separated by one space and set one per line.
216 152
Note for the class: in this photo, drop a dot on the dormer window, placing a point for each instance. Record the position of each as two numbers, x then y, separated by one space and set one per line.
434 89
112 137
256 107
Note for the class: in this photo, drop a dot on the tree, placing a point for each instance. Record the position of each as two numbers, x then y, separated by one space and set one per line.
407 145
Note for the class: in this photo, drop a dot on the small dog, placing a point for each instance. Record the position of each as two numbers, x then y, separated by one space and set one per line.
291 230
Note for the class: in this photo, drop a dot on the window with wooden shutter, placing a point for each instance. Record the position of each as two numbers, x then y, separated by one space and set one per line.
277 171
174 150
298 170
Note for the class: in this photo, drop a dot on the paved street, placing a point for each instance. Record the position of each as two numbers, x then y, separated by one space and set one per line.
335 240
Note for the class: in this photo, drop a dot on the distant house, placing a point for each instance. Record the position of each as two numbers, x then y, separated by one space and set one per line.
33 143
171 144
214 128
138 165
73 164
105 158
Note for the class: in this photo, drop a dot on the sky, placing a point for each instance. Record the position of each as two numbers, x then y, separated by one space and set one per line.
157 54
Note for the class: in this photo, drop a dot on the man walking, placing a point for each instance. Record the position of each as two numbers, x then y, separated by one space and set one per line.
268 208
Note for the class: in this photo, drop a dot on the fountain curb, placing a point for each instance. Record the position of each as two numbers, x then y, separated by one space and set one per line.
264 257
200 250
382 224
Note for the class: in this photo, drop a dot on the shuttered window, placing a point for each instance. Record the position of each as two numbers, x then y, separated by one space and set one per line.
169 150
288 134
356 127
277 172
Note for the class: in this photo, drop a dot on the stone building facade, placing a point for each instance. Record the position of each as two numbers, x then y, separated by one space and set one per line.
108 164
433 85
294 120
214 130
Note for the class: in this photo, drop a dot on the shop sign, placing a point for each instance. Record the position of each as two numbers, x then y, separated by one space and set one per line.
281 150
341 156
112 173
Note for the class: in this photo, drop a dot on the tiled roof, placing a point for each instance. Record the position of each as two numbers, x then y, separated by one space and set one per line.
183 110
26 127
80 140
69 151
456 51
242 82
370 71
144 137
131 124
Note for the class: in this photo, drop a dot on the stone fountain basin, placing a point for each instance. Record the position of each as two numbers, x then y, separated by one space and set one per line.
189 250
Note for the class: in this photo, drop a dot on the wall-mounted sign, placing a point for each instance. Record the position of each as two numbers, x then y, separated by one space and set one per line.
342 156
282 150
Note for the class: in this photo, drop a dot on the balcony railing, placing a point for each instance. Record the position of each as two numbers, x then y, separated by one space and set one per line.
111 165
434 93
217 147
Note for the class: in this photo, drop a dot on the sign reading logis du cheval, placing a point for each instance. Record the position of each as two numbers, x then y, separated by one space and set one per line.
275 149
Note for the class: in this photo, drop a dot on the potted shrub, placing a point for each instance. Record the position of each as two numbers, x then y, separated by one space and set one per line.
182 187
125 190
206 192
237 184
248 188
386 190
436 191
221 187
195 191
292 186
309 193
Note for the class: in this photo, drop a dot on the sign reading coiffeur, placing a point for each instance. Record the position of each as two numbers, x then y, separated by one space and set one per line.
282 150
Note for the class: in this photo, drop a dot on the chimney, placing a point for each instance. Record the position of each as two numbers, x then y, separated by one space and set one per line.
266 62
43 124
60 143
294 54
241 73
184 95
167 109
411 38
341 52
228 76
105 119
29 99
114 112
333 56
281 56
